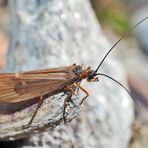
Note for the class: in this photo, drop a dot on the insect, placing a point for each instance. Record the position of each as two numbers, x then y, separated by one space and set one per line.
21 90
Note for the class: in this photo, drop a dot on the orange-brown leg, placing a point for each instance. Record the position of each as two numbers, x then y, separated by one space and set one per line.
32 118
78 84
87 94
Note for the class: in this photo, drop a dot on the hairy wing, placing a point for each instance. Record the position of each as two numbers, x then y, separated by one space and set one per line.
24 86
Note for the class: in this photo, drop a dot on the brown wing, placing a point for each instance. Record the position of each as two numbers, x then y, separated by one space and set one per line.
52 70
24 86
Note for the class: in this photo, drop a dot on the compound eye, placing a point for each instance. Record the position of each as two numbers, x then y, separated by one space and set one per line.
91 74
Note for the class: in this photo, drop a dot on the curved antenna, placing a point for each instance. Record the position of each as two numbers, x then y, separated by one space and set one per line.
102 74
124 35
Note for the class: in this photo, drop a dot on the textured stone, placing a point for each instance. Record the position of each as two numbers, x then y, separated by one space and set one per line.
56 33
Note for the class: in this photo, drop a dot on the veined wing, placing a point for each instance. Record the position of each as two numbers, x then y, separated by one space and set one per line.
52 70
24 86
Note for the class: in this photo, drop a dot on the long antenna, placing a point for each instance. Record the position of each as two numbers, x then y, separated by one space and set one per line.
124 35
102 74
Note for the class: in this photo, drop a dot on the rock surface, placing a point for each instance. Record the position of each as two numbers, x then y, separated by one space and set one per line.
56 33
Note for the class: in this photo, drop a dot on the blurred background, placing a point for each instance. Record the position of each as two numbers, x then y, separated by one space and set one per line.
116 17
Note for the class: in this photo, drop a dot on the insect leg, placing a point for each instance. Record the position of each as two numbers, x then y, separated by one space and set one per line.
78 83
87 94
69 90
69 95
32 118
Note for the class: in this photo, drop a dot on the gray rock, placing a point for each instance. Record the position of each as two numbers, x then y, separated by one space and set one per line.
56 33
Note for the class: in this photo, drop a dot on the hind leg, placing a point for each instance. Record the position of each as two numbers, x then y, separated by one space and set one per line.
33 116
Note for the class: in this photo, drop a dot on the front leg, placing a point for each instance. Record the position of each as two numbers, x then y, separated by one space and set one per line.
85 91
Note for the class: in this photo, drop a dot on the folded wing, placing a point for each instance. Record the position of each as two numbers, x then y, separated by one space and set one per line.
21 87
